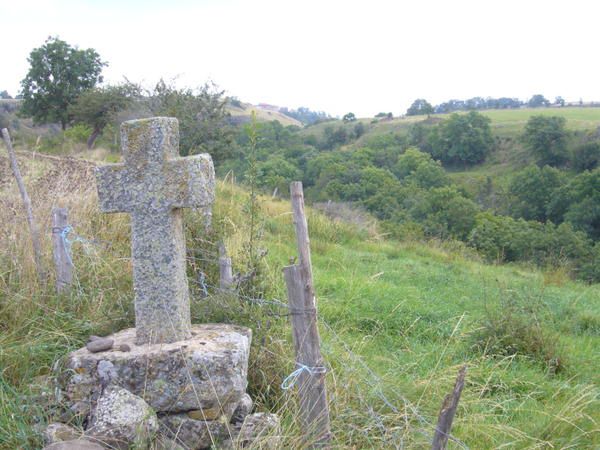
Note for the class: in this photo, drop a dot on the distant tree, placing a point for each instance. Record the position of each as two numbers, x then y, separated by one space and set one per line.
462 139
537 101
559 101
578 202
359 129
98 107
383 115
420 107
202 116
532 190
546 137
5 95
305 115
586 156
349 117
58 74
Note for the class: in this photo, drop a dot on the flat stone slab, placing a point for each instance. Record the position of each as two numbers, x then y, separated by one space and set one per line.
202 373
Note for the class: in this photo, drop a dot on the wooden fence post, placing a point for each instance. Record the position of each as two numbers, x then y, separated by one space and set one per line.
62 260
35 238
225 271
442 431
314 410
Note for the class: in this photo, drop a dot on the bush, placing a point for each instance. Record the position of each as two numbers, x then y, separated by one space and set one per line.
462 139
586 156
546 137
521 326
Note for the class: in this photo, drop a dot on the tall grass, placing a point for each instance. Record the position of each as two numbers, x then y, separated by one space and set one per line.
397 320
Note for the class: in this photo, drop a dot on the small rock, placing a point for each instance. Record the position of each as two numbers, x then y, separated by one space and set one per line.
75 444
100 345
123 420
124 348
243 408
58 432
262 429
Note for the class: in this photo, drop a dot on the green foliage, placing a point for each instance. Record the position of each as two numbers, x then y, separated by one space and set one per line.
501 238
58 74
277 173
578 202
78 133
349 117
202 116
98 107
462 139
419 107
418 168
586 156
532 190
546 138
538 100
4 95
520 326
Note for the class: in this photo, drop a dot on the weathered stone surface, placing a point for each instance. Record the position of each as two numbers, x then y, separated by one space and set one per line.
123 420
100 345
194 434
153 184
262 429
58 432
206 371
243 408
76 444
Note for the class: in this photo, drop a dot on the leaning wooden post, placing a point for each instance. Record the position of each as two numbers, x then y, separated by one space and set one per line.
225 271
35 239
62 260
314 410
442 431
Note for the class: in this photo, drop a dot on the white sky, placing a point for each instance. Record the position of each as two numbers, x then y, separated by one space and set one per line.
336 56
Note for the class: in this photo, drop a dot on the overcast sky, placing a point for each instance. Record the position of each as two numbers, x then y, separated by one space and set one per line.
336 56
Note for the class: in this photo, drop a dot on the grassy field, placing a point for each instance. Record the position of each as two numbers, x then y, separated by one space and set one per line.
397 320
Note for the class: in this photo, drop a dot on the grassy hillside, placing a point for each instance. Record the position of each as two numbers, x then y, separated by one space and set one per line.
397 321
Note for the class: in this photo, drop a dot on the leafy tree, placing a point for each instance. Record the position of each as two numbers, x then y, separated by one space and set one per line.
419 107
538 100
383 115
98 107
462 139
349 117
359 129
334 137
578 202
532 191
5 95
277 173
202 116
586 156
58 74
559 101
546 137
445 213
418 168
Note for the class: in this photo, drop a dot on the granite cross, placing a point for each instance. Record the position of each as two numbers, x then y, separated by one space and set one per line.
152 185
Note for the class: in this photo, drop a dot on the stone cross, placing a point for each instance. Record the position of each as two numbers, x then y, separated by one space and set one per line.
152 185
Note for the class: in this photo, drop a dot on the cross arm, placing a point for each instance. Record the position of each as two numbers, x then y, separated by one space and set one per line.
112 185
191 181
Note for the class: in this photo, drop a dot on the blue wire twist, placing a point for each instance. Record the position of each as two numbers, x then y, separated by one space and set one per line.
64 232
292 378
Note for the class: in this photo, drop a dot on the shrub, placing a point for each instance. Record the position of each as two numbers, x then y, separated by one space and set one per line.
521 325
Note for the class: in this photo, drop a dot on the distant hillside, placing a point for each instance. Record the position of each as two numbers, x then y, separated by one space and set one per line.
243 113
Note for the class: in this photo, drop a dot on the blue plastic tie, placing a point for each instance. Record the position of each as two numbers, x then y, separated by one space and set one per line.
292 378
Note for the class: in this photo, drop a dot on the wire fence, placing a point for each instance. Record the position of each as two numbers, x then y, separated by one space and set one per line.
354 363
